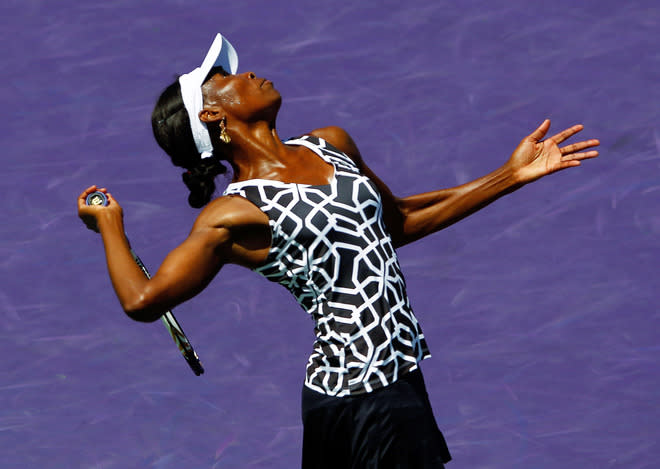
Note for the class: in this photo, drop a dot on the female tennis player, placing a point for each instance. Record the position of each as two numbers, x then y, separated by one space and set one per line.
309 214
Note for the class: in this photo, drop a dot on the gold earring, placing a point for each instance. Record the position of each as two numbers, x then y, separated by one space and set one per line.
224 136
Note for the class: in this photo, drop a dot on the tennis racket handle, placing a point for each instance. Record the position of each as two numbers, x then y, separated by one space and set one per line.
175 330
97 198
170 322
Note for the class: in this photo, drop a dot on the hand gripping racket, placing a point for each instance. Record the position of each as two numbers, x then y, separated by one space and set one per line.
173 327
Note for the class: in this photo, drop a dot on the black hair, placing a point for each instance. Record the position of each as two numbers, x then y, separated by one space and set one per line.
171 128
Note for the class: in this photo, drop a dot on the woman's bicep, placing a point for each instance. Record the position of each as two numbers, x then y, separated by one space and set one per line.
185 272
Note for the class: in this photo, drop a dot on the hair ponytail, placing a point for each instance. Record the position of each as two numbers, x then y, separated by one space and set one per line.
200 180
171 127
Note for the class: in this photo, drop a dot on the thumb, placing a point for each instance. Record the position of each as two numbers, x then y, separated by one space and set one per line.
540 132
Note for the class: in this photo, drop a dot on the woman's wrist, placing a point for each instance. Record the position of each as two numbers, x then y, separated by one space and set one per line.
512 175
108 221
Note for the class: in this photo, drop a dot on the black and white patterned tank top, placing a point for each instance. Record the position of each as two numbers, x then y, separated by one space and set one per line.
330 248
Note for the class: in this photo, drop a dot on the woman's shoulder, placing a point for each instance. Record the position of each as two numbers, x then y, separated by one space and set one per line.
235 225
340 139
231 211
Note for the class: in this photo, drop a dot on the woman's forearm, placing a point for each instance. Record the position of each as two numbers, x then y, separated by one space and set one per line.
128 280
429 212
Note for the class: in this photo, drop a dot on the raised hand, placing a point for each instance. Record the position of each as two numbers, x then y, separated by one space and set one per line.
90 214
535 157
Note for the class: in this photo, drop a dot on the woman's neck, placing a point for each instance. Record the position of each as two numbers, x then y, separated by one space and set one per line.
257 151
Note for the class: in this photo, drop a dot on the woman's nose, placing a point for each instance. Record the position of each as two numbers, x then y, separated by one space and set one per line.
251 75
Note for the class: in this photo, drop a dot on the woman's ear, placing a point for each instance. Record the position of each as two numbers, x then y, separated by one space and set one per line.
207 115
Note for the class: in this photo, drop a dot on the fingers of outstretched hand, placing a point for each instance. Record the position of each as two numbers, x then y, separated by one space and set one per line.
580 156
565 134
579 146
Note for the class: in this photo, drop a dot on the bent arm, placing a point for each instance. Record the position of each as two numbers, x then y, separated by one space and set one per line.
186 271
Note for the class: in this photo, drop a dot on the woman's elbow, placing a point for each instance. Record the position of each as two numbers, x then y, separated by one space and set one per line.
141 311
395 221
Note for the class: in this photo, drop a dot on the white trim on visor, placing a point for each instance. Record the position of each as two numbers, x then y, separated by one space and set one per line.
221 53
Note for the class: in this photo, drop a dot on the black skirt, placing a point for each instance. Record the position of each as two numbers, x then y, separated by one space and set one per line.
390 428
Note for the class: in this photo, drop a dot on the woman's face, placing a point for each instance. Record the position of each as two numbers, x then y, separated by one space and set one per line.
242 96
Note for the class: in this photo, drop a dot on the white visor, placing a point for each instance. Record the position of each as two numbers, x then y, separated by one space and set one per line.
223 54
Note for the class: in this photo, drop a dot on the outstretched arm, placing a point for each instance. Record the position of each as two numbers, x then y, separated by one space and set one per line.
411 218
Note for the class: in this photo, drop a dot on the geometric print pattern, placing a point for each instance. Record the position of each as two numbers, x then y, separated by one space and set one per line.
331 250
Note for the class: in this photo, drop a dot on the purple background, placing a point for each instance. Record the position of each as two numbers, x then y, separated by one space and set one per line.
541 311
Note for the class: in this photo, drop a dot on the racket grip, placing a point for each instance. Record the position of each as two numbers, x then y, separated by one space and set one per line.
96 198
